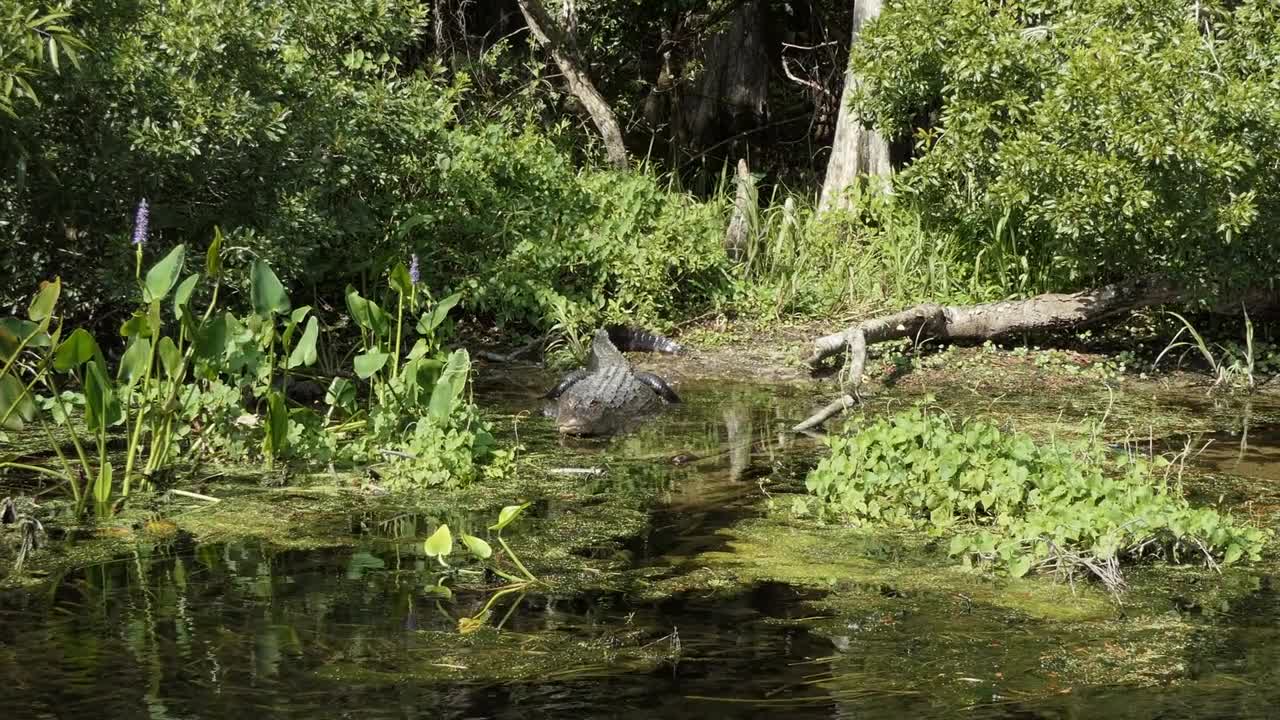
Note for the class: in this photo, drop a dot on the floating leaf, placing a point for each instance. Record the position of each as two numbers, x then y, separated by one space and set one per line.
266 292
370 363
478 547
440 544
41 308
508 515
304 353
163 275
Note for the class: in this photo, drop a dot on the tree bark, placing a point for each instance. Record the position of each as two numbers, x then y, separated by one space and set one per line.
856 149
1052 311
549 35
734 79
737 237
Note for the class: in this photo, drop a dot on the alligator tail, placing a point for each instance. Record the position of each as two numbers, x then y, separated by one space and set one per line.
635 339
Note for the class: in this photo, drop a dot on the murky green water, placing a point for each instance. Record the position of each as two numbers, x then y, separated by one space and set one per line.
235 630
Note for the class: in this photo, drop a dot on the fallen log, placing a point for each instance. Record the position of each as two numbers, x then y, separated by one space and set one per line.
987 321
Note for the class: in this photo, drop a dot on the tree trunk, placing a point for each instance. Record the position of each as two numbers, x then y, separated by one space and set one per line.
737 237
1052 311
549 35
856 149
734 87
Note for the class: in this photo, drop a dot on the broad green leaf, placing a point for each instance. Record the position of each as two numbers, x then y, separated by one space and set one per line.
299 314
78 349
438 591
163 275
478 547
213 256
102 486
508 515
170 358
369 363
139 325
366 313
41 308
17 407
450 386
400 280
341 394
183 296
440 544
102 407
266 291
133 364
304 353
211 341
1020 566
429 321
1233 553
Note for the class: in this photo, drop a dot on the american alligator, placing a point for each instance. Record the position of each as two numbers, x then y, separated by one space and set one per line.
608 395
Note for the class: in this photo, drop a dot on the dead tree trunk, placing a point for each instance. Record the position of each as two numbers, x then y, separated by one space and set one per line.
1051 311
737 237
548 34
856 149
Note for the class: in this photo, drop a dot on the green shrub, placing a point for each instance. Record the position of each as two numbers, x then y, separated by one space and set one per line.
1079 142
1018 504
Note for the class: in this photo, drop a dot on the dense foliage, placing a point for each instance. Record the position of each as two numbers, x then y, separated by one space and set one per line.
1094 139
1018 504
325 144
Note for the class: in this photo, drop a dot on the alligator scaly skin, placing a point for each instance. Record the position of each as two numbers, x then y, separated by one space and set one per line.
609 396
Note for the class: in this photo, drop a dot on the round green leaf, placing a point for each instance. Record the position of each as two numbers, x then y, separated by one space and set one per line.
370 363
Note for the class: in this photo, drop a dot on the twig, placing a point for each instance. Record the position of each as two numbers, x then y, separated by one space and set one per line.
195 496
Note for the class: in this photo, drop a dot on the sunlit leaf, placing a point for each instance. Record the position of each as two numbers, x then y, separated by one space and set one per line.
17 407
213 256
400 280
41 308
440 544
102 486
341 394
170 358
163 275
133 364
304 353
369 363
183 296
508 515
431 320
102 407
478 547
450 386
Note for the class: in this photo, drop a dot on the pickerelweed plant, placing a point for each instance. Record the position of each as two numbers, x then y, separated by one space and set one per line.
193 383
1018 505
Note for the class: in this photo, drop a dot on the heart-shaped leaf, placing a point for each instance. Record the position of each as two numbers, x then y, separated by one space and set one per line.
133 364
170 358
78 349
440 544
182 297
163 275
429 321
17 408
370 363
450 386
266 292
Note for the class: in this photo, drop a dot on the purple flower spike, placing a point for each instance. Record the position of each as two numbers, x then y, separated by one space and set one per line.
140 221
414 276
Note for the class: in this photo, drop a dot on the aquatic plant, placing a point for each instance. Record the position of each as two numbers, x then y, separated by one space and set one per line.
439 545
1019 505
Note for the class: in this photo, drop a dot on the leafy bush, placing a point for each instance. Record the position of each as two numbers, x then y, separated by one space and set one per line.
1077 142
1018 504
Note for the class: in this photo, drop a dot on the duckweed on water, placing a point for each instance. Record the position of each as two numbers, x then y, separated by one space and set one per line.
1019 505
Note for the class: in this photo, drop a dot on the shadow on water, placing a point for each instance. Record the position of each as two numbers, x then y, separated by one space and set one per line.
234 630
